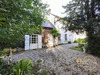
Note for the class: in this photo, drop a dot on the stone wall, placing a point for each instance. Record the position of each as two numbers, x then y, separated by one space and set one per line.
47 37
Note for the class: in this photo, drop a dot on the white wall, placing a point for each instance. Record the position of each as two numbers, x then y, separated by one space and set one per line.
51 41
71 36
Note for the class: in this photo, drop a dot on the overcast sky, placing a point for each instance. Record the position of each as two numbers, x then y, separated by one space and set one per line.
56 6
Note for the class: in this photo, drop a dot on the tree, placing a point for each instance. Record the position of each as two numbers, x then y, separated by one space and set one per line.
84 15
55 33
19 17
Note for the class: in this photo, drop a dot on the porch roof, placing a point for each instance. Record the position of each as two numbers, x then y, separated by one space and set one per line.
48 24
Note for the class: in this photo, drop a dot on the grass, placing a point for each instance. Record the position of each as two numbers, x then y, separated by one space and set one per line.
77 48
62 43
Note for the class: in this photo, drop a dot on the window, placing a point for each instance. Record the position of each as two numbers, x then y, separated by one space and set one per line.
65 36
59 38
33 39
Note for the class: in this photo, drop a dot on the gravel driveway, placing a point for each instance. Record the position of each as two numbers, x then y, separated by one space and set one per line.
60 60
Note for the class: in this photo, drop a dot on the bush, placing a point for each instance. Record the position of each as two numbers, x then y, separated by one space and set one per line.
69 42
85 40
86 46
75 41
79 40
5 69
55 32
18 43
80 45
3 52
22 67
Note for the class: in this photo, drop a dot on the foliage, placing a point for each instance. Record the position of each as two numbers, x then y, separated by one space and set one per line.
22 67
45 72
80 16
86 46
81 45
3 52
5 69
75 41
85 40
55 32
79 40
84 15
37 67
69 42
77 48
19 17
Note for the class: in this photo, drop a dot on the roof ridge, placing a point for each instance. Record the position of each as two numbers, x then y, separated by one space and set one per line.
48 24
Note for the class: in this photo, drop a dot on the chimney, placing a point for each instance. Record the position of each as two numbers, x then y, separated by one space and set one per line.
49 11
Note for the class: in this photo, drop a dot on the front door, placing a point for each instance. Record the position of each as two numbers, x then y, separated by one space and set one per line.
33 41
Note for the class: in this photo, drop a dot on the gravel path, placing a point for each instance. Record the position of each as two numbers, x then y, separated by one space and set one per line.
60 60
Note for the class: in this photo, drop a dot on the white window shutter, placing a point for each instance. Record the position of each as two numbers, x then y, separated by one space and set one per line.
26 42
39 41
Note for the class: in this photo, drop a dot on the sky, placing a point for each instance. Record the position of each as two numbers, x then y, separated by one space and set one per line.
56 6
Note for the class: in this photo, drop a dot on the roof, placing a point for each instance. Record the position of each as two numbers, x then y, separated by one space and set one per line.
55 15
48 24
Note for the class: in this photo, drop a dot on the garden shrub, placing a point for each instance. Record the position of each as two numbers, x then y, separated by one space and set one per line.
18 43
75 41
69 42
79 40
81 45
86 46
5 69
22 67
82 40
85 40
3 52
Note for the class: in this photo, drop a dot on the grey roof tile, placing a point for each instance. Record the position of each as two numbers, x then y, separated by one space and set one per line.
48 24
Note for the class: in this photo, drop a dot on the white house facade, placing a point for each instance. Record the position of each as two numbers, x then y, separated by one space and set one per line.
65 35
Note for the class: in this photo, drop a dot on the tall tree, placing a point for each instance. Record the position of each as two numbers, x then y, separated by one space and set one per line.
84 15
19 17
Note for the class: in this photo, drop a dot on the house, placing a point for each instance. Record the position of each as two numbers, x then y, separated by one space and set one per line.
64 37
37 41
